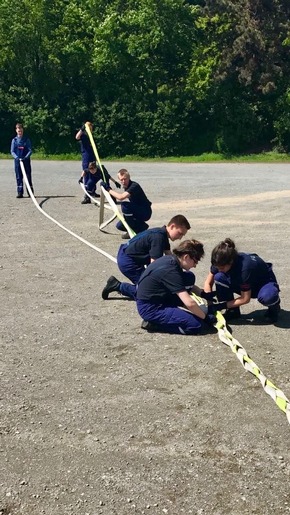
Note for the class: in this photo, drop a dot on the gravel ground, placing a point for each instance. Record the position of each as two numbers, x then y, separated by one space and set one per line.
96 415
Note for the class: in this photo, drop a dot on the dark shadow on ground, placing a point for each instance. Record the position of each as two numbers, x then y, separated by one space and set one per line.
112 234
257 317
120 298
53 196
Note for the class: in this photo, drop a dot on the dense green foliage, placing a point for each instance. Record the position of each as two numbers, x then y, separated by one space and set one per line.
158 77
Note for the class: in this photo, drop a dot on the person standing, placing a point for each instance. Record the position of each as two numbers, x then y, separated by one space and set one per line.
244 274
141 250
136 207
21 150
87 151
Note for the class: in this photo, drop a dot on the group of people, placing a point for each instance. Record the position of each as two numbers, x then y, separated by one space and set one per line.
163 290
135 206
161 281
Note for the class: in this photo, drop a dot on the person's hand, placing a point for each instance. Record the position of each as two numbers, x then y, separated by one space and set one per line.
218 306
117 184
105 186
210 319
208 295
80 180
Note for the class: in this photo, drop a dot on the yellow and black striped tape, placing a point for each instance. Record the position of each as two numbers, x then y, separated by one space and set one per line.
226 337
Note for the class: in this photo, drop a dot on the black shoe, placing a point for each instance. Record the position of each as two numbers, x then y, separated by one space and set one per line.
272 312
232 314
112 285
150 327
19 195
86 200
96 195
125 236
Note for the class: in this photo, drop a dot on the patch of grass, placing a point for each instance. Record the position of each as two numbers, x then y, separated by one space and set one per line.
48 157
264 157
211 157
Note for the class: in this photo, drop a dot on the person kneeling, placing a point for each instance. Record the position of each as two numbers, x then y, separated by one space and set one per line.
162 291
245 274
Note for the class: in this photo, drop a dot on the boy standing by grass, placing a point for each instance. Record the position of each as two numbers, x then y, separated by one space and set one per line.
21 151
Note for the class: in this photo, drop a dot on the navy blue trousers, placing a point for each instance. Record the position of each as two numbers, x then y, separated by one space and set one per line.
171 319
129 269
19 176
268 295
128 266
90 185
135 216
87 158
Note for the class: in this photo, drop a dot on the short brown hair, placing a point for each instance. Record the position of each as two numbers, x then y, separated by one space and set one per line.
180 220
193 248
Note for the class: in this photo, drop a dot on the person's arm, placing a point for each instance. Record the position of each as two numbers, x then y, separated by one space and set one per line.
80 132
191 305
12 150
209 282
81 179
244 298
29 148
108 177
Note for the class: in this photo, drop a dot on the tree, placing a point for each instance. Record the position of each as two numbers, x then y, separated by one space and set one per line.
240 68
141 55
47 76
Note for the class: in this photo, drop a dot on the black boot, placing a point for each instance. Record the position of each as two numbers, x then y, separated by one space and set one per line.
151 327
125 236
112 285
86 200
232 314
272 312
19 195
